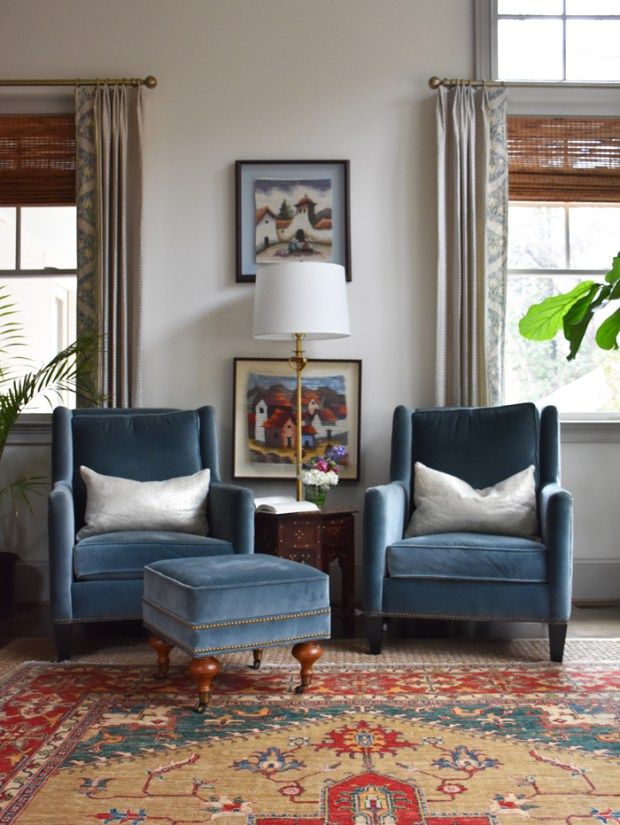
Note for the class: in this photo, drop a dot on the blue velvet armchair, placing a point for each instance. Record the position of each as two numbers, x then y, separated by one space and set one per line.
470 575
100 577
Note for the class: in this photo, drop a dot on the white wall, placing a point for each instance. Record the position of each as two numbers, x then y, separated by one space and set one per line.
240 79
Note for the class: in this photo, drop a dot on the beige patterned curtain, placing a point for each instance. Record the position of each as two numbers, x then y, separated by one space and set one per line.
472 236
109 220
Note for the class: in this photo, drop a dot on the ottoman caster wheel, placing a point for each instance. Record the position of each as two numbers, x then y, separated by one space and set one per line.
306 654
162 649
258 657
204 672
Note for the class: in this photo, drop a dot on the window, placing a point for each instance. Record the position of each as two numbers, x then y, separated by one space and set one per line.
553 40
551 247
38 267
38 233
564 226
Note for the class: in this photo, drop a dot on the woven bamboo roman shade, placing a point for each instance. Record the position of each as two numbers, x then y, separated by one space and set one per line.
564 158
37 160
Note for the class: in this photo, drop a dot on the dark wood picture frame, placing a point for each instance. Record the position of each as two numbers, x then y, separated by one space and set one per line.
247 171
244 467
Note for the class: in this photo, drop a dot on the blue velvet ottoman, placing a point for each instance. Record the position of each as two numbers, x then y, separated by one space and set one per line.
225 604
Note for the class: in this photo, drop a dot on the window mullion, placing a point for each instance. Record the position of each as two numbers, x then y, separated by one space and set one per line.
564 39
567 255
18 238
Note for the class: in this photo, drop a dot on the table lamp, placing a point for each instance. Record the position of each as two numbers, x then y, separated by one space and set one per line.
296 301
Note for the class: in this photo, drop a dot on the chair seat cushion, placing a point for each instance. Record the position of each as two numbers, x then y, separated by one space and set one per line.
235 602
468 557
123 555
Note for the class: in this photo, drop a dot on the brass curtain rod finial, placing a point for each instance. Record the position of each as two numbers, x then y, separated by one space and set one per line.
150 82
434 82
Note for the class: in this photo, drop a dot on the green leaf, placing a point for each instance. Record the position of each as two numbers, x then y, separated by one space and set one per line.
608 331
580 308
542 321
614 273
574 333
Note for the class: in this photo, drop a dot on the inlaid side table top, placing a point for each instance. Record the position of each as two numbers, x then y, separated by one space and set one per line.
315 537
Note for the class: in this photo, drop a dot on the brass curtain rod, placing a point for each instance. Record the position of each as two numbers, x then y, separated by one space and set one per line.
150 82
436 82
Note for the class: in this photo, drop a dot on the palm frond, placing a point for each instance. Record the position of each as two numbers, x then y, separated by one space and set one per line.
72 367
20 489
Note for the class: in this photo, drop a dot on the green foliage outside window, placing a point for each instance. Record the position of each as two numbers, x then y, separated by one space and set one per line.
573 311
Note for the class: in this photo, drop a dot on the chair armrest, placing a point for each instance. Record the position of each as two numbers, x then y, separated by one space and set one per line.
231 515
555 507
61 524
384 522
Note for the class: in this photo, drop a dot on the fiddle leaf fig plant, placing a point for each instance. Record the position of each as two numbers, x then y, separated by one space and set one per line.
21 382
573 311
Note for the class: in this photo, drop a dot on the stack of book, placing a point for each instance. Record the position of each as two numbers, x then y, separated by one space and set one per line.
282 504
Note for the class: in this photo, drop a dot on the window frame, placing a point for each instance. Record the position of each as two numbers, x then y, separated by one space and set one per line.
486 18
17 271
549 99
34 417
596 274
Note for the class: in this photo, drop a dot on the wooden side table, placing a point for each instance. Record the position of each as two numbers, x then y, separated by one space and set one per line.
317 537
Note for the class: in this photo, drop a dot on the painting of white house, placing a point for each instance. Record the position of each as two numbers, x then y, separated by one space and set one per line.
293 220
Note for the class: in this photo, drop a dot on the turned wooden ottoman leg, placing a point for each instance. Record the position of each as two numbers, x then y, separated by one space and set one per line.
162 649
258 658
306 654
204 672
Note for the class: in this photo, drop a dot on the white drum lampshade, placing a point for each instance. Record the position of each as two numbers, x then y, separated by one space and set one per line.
305 298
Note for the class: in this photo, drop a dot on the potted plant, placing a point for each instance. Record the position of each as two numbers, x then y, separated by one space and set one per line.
573 311
20 383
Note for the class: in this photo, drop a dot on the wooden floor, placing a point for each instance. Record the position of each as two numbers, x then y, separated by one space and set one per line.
587 622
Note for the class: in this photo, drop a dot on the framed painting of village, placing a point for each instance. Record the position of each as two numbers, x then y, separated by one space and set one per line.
264 427
291 210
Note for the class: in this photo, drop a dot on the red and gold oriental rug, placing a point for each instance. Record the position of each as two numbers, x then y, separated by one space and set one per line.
430 745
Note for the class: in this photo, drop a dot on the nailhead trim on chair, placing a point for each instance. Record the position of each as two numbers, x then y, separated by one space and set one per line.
467 618
97 619
245 646
234 623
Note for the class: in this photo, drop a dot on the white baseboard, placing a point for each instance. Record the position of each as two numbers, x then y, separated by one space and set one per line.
597 580
32 581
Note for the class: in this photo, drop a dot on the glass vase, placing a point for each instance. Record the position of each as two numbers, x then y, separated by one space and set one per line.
315 494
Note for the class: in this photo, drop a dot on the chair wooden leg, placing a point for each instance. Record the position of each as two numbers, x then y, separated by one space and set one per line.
374 631
63 636
557 638
258 658
162 649
306 654
204 672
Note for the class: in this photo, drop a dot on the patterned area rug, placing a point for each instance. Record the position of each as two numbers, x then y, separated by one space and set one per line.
380 745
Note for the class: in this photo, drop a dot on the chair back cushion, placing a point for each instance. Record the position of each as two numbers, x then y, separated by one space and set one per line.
139 446
481 445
